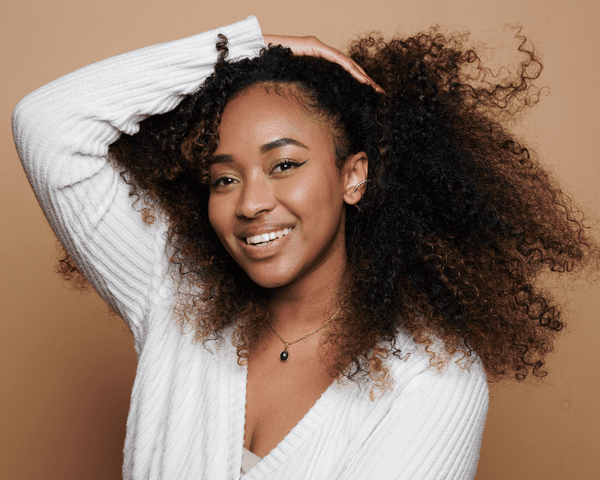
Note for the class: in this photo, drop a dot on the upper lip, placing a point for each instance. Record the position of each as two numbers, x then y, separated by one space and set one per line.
252 230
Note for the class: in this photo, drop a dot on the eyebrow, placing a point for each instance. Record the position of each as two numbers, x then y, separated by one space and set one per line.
267 147
281 142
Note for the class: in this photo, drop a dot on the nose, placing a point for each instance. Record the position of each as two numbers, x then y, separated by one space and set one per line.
256 197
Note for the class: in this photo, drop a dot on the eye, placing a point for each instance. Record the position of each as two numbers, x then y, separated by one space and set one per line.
222 182
286 164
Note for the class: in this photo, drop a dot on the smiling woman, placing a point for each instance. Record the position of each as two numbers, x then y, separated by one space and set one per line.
328 233
281 176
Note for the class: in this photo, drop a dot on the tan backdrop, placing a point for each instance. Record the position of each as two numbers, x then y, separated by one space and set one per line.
68 367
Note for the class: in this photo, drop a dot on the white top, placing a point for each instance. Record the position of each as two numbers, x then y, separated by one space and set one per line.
186 419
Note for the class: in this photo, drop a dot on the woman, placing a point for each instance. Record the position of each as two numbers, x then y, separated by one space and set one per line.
326 229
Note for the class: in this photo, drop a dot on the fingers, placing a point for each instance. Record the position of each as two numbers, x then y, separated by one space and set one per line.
319 49
312 46
357 72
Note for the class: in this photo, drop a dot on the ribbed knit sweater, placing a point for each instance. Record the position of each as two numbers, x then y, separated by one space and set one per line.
186 419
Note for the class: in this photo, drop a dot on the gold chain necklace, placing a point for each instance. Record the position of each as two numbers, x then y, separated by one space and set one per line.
285 355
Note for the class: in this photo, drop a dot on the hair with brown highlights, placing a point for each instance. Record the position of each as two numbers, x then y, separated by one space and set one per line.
457 225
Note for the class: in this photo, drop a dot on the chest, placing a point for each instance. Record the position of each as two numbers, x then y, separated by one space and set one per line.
279 395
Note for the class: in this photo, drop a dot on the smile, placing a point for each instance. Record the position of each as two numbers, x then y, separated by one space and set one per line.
266 238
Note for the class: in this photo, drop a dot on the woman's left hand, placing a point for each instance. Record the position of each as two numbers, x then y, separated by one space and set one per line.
312 46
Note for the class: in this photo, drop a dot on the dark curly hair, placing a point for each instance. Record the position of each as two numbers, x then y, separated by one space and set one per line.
457 224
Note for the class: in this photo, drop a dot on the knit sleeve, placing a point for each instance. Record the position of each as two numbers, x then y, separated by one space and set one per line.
432 429
62 132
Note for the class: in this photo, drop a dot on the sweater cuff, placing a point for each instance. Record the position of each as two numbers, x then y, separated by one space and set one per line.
247 40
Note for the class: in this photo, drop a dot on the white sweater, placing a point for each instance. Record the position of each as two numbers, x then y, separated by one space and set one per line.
186 419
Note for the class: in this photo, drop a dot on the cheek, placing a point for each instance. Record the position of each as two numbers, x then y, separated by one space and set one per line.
316 197
301 196
216 215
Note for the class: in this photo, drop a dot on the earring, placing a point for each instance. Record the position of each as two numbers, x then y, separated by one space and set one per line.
356 188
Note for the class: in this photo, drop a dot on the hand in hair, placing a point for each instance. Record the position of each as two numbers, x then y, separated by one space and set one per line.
312 46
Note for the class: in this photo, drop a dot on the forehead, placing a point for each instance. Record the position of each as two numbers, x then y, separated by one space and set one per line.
265 92
260 112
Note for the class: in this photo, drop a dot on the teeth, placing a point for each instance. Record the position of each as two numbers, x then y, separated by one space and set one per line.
267 237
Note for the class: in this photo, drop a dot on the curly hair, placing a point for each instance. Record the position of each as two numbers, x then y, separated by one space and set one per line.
457 225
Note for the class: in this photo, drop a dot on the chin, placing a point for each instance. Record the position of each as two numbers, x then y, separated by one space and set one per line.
267 279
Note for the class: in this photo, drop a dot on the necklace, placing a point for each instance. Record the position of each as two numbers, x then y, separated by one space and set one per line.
285 355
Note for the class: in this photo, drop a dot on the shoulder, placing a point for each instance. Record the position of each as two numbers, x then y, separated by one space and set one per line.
458 380
430 424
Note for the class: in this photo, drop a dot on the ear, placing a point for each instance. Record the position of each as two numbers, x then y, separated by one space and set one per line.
355 171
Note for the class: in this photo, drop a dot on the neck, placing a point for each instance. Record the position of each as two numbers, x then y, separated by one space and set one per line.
296 309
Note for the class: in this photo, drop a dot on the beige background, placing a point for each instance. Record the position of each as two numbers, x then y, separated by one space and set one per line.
68 367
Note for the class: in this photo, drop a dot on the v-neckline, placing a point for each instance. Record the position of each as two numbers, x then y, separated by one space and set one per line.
301 432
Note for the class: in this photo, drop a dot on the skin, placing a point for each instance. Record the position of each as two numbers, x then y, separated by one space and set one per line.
281 173
310 45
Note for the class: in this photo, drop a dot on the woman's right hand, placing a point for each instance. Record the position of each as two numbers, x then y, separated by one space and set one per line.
312 46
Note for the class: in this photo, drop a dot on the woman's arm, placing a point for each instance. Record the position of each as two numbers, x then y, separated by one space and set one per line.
62 132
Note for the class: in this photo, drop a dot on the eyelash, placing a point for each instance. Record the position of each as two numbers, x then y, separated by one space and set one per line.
291 163
288 162
218 183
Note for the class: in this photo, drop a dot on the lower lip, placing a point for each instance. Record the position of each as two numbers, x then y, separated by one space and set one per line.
265 251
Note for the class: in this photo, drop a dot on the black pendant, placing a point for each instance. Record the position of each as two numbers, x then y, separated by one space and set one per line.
284 356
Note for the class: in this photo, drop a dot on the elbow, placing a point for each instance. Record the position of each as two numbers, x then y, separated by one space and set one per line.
25 121
17 118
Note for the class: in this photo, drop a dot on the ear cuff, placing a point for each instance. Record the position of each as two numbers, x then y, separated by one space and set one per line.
356 188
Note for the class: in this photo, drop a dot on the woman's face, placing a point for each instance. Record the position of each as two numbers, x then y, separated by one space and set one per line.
277 196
